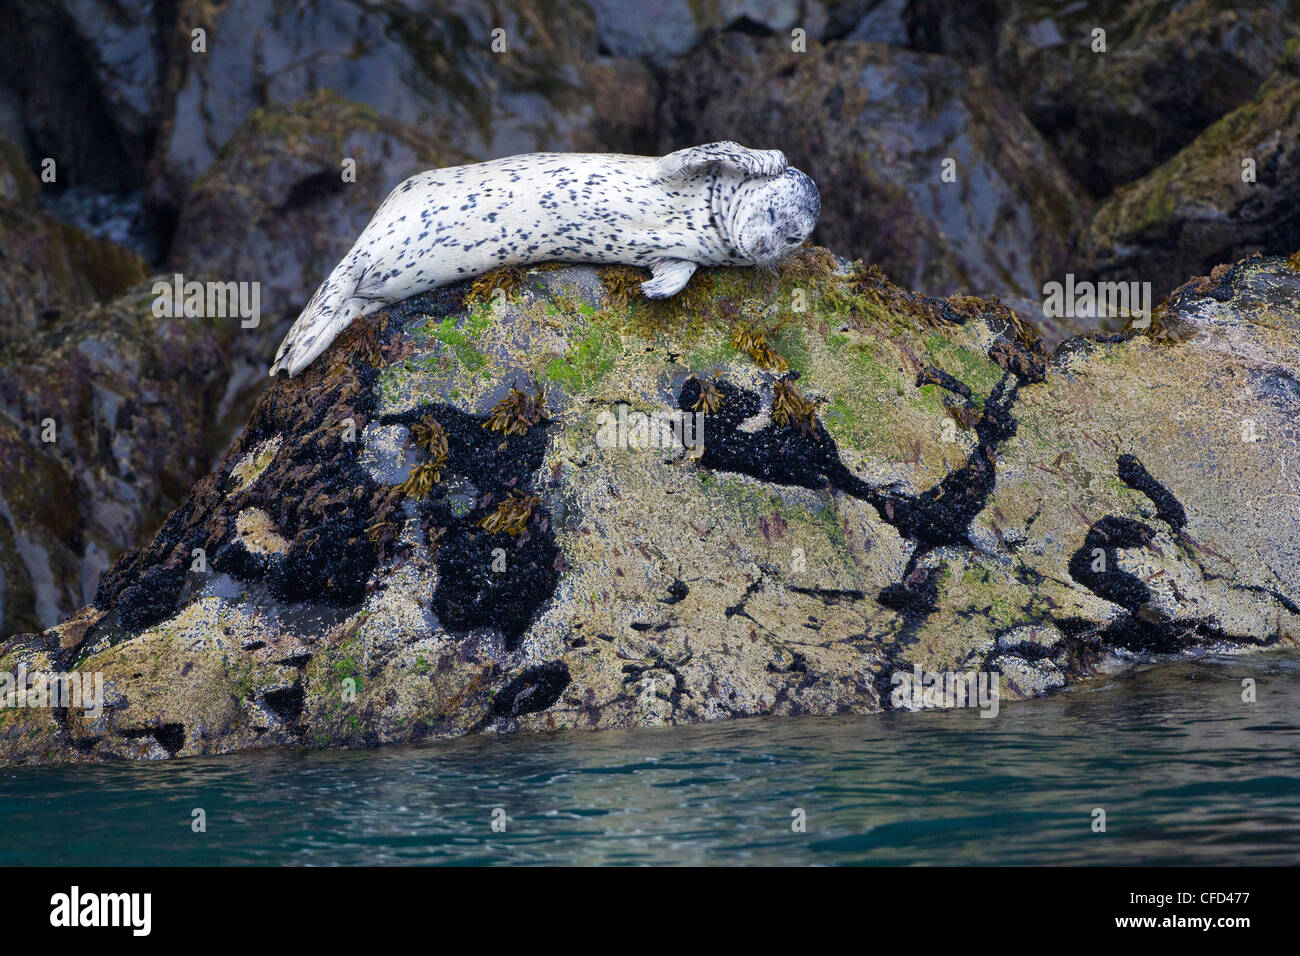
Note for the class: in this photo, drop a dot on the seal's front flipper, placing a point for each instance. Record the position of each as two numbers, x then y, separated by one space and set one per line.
749 162
668 277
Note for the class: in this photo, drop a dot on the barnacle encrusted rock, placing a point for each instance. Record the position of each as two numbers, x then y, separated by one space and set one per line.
563 507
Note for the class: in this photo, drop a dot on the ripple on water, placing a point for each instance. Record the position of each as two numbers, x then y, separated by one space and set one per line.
1186 772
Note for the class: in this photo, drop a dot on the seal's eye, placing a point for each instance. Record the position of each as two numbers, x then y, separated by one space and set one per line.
771 214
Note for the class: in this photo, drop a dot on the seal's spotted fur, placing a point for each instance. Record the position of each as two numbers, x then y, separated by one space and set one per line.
719 204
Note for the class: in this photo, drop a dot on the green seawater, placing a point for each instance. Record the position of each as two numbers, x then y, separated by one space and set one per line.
1186 772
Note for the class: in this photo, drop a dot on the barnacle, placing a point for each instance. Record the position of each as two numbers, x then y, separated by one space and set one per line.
511 515
791 407
515 413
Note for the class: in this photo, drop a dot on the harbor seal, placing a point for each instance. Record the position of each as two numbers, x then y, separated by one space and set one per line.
720 204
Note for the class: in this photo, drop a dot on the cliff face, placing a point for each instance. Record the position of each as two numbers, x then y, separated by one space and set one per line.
490 509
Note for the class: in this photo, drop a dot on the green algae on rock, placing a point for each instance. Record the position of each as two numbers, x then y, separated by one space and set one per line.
919 486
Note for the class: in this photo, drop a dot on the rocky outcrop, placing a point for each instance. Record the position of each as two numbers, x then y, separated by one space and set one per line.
435 70
1230 193
107 415
1167 71
78 81
481 511
49 268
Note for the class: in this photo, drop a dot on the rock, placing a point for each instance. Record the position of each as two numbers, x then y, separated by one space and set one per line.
1195 210
886 482
275 207
659 31
435 70
138 408
1027 678
48 268
1002 227
107 415
82 75
1169 70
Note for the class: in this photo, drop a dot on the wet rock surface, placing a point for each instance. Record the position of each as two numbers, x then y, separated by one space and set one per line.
478 512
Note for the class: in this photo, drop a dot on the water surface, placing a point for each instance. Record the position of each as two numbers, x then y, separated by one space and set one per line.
1184 769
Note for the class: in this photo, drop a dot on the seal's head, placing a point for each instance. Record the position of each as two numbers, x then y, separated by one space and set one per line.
772 216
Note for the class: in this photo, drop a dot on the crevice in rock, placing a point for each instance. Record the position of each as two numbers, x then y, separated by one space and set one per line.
313 188
1278 596
829 595
739 606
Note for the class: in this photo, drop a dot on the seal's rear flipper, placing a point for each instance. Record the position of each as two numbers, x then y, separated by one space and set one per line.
329 312
748 162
